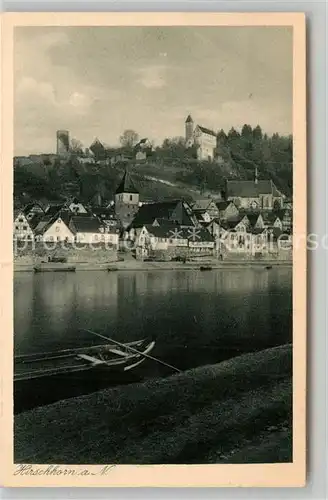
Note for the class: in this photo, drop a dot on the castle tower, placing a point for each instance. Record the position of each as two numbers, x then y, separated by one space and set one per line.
189 130
63 144
126 200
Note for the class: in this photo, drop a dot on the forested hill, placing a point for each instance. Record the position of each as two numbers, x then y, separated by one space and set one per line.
170 172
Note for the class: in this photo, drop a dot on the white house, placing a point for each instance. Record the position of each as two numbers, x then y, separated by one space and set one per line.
92 230
54 229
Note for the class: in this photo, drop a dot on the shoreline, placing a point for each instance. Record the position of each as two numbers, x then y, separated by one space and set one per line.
151 266
202 415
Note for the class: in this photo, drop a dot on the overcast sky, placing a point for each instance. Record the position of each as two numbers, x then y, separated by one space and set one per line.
98 81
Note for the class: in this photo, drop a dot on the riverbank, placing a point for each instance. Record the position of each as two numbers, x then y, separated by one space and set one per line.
135 265
237 411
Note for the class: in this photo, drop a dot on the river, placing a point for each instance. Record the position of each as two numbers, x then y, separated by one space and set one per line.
192 309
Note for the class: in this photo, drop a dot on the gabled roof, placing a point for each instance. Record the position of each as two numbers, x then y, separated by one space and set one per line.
126 185
201 204
85 224
30 206
222 205
48 220
206 130
250 189
233 222
178 209
52 210
151 211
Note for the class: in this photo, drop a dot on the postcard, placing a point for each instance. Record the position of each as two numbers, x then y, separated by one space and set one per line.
153 256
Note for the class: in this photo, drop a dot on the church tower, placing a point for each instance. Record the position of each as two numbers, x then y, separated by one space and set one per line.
189 130
126 200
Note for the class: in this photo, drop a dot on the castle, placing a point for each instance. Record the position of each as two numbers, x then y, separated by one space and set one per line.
204 139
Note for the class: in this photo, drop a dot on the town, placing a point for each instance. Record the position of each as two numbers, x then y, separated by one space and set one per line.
244 220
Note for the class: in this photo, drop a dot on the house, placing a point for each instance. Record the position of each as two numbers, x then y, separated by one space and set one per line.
227 210
173 240
33 209
126 201
76 207
272 220
89 229
207 206
55 228
22 229
202 138
177 211
234 234
106 215
286 217
143 149
253 195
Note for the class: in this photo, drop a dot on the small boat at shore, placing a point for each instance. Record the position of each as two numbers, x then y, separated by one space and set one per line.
205 268
268 267
54 269
107 357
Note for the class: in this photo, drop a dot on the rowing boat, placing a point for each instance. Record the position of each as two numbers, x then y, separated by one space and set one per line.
104 357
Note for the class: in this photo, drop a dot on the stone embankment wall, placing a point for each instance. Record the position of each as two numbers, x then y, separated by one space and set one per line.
36 253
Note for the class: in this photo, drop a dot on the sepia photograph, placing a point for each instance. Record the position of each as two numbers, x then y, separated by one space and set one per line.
153 230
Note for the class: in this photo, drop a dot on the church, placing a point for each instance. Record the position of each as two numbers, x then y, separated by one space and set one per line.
204 139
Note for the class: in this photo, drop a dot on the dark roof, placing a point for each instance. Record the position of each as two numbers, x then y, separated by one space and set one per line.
222 205
126 185
249 189
232 223
189 119
30 206
85 224
54 209
147 214
253 217
151 211
207 130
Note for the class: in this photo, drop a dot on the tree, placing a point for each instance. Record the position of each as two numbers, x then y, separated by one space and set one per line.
76 146
129 138
247 132
222 138
257 133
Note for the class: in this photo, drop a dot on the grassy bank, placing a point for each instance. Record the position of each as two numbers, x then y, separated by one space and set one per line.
217 413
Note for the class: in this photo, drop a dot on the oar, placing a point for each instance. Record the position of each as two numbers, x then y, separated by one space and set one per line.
133 350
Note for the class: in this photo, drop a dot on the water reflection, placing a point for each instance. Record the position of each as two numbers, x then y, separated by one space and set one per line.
184 309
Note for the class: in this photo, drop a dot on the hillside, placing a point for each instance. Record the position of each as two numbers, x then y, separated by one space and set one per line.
170 172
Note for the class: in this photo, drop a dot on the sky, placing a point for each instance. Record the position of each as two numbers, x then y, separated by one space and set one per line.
99 81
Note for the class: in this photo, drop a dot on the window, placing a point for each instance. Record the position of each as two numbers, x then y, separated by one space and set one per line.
131 197
17 228
96 237
57 229
58 238
20 219
102 237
